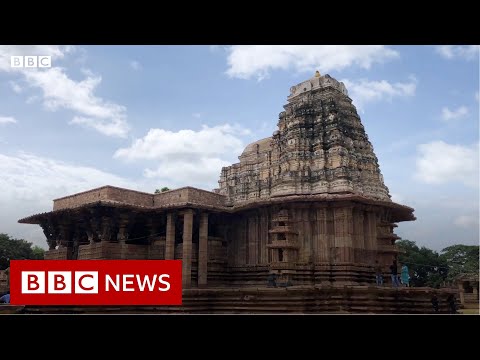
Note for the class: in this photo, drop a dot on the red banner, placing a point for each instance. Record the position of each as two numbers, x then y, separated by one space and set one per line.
96 282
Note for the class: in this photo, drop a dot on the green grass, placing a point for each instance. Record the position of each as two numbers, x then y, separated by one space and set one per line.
468 311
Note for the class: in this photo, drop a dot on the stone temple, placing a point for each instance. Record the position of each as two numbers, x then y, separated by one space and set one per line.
307 204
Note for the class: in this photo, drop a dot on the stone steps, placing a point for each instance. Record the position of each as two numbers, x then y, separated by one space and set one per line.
293 300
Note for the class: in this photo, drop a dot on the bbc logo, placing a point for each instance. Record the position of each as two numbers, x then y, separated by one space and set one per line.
31 61
96 282
60 282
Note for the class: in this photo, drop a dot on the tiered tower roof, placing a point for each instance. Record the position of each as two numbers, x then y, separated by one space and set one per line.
320 147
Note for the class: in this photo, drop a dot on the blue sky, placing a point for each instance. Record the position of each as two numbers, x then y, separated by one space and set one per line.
144 117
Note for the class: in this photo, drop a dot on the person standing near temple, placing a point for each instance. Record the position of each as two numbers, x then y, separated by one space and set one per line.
452 304
405 276
5 299
378 274
394 274
272 280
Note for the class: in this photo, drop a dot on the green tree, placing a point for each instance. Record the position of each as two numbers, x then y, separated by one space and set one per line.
426 266
17 249
38 253
461 259
158 191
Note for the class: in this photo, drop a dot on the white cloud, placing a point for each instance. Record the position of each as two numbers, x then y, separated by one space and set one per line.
135 65
466 221
162 144
110 127
247 61
59 91
187 157
439 162
29 183
15 87
203 173
448 115
466 52
7 120
364 91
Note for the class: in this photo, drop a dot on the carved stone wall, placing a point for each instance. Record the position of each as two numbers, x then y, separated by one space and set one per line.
132 197
104 193
318 242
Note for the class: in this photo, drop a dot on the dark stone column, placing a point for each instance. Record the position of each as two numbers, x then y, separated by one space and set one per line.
343 223
187 248
93 231
358 236
64 242
122 235
106 229
64 238
203 250
50 233
170 237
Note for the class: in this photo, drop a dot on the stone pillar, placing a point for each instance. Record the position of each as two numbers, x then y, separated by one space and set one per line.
320 243
373 230
343 223
106 229
187 248
73 252
122 235
203 250
50 233
64 238
170 238
64 241
370 237
52 239
90 236
94 229
358 237
153 224
330 224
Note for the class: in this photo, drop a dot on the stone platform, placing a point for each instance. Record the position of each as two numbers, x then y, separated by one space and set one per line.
291 300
